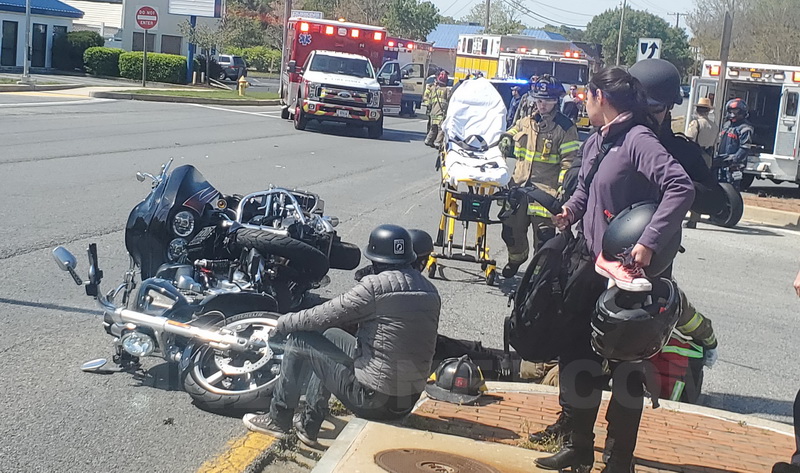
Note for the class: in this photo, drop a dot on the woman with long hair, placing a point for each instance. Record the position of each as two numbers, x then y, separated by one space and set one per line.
623 164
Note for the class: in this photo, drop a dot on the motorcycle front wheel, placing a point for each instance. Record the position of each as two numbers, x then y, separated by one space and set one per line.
733 210
234 381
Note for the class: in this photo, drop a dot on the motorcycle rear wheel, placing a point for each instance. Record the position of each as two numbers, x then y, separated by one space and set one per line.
733 210
213 390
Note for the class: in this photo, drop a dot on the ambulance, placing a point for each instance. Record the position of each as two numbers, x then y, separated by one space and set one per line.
772 94
329 73
407 63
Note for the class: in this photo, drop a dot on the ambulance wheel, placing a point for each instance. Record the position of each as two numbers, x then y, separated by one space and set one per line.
285 113
432 271
300 120
491 278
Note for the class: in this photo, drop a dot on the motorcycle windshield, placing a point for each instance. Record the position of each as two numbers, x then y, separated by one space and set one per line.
149 230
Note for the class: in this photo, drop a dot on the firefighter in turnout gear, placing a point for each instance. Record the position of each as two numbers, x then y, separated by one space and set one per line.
437 96
544 145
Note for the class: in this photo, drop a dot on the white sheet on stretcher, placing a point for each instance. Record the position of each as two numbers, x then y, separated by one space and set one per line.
488 167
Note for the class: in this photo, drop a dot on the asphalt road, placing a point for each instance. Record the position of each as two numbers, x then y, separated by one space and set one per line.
68 178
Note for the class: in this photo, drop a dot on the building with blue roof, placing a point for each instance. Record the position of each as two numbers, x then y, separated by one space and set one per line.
49 18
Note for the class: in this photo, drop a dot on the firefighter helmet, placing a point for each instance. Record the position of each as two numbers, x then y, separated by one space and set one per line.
632 326
547 88
442 77
456 380
736 109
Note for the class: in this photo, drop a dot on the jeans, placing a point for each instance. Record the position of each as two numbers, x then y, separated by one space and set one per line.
796 457
328 359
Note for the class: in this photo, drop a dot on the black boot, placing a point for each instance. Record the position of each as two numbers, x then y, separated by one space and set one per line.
580 460
551 432
510 269
618 465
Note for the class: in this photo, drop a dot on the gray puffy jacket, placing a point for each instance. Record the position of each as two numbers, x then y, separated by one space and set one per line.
397 313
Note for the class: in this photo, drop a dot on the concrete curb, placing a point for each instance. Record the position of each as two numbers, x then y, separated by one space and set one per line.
167 98
497 386
334 455
38 88
772 217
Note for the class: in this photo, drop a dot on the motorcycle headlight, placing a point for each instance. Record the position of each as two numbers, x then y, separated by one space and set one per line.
183 224
138 344
178 250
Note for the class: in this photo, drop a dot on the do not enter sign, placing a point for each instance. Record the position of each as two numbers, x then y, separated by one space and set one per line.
146 18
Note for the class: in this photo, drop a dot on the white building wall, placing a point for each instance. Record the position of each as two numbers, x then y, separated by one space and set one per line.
50 21
167 24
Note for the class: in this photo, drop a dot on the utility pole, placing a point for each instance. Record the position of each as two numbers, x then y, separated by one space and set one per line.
621 22
486 20
724 51
26 66
287 12
677 18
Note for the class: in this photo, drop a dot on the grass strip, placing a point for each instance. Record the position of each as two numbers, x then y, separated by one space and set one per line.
213 94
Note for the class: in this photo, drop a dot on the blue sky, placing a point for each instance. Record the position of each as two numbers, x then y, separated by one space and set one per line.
573 12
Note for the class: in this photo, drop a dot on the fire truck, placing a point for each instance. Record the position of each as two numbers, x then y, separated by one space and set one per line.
772 94
518 57
329 73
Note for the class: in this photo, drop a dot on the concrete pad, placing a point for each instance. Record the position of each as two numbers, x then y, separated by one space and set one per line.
373 437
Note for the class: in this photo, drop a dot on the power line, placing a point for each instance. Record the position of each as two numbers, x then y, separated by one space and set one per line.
537 16
465 5
451 6
561 9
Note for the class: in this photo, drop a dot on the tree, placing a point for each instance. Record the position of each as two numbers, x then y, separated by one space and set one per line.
604 29
763 30
572 34
503 19
411 19
204 36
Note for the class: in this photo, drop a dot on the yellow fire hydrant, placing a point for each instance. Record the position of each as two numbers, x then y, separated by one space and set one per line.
242 83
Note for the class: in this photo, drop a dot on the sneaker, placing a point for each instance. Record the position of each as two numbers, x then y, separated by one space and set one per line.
510 269
266 425
305 436
626 278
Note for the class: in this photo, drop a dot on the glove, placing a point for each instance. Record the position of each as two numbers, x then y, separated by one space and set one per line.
280 329
506 146
710 357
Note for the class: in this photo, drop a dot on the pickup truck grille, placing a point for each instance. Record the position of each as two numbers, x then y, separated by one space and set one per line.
341 96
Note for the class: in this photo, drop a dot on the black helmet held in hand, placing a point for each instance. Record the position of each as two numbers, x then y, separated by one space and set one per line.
456 380
660 79
632 326
626 228
390 244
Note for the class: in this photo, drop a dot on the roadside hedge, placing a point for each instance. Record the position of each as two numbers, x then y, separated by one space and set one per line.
102 61
68 49
261 58
160 67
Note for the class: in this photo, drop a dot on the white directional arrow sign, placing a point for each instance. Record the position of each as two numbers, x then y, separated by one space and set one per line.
649 48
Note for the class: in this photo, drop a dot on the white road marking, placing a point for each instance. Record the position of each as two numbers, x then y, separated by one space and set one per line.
223 109
47 104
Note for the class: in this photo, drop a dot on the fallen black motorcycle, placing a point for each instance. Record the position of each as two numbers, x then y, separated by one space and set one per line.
215 270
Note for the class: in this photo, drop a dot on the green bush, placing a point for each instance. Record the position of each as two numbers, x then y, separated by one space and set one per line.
263 59
160 67
68 49
102 61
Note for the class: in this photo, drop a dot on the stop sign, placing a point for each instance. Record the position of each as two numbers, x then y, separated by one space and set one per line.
146 18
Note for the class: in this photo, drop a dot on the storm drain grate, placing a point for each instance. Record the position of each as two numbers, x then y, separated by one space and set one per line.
411 460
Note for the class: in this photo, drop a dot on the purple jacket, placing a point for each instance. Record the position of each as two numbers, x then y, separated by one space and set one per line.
636 169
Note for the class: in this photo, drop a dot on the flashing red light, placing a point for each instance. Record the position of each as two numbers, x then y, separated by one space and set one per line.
523 50
714 70
354 33
410 46
329 30
796 76
378 36
304 27
582 96
391 44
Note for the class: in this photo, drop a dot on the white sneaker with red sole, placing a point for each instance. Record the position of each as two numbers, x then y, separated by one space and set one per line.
627 278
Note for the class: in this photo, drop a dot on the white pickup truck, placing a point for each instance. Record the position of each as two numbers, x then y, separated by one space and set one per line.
338 87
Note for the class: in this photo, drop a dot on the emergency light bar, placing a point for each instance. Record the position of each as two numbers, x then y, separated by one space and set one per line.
354 33
796 76
714 71
304 27
378 36
329 30
390 44
523 50
410 46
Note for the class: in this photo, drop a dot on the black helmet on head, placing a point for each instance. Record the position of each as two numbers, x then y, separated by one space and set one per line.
390 244
632 326
421 241
660 79
547 88
456 380
736 109
626 228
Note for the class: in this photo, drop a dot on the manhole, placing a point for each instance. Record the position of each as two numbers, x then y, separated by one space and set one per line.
412 460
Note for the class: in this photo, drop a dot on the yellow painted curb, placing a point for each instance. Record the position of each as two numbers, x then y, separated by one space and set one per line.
239 455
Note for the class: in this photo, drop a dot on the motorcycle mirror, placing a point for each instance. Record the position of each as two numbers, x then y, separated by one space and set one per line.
65 260
140 177
93 366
